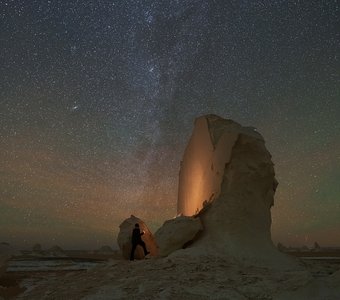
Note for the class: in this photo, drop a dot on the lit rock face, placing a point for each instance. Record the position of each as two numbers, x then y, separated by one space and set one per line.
125 235
205 158
176 233
228 171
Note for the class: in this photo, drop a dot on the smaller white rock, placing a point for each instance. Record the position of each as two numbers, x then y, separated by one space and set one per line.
175 233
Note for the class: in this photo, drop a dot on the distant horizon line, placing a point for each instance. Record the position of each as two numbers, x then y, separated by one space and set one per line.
116 247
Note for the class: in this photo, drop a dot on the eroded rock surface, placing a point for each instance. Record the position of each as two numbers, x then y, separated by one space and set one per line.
228 171
125 234
176 233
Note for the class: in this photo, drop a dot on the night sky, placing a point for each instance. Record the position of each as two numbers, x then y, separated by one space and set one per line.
98 100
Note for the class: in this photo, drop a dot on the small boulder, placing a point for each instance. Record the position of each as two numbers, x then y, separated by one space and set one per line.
125 235
177 233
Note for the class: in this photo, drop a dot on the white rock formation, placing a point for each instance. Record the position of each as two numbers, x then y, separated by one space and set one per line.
228 171
125 234
203 166
176 233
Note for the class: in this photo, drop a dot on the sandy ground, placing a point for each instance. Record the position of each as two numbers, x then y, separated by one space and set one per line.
177 277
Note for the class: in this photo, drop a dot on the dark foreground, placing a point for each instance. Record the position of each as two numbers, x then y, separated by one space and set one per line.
179 277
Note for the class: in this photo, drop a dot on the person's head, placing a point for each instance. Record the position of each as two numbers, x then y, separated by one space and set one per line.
137 225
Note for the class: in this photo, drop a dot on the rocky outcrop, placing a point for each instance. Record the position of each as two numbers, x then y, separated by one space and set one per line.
177 233
124 238
227 179
226 185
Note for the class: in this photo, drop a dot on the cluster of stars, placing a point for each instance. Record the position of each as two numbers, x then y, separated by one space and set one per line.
98 99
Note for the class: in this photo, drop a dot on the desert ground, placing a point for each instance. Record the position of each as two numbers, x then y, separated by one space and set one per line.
181 275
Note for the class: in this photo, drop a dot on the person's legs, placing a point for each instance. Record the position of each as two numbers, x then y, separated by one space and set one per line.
133 251
144 248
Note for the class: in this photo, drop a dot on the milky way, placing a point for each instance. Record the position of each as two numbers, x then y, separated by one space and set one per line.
98 99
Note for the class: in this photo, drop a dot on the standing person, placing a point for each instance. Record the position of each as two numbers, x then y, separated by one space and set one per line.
137 240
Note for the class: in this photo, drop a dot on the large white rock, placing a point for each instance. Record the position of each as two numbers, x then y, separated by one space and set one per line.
205 158
176 233
228 171
125 235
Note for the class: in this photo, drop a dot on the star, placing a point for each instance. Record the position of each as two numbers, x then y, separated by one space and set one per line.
98 102
75 107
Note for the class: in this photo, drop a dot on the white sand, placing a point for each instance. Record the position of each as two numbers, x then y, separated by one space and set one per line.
184 276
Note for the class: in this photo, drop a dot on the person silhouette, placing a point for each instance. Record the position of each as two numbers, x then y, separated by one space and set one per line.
137 240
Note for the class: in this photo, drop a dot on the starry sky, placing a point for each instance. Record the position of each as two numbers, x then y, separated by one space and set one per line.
98 100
